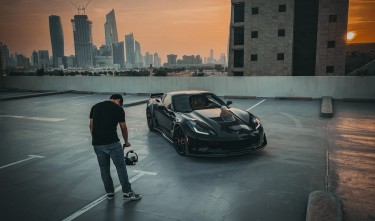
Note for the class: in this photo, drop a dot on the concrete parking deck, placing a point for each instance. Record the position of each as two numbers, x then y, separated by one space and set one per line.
49 171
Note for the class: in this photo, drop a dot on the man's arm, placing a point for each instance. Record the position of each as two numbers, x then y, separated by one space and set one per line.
91 125
124 131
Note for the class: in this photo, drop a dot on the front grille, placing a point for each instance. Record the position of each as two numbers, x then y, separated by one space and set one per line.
229 145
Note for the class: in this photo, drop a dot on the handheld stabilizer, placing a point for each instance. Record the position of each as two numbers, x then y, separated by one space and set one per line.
131 158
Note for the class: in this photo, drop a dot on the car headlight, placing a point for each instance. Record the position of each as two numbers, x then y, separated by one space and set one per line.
256 121
197 128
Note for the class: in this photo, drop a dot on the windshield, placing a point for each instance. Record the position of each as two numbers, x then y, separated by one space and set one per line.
188 102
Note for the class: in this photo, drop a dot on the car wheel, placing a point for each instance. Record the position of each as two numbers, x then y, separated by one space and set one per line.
180 141
150 122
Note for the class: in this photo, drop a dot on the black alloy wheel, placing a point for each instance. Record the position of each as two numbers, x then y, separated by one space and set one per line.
180 141
150 122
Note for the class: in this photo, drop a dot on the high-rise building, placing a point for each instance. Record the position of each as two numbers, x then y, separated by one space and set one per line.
287 37
149 59
172 59
43 59
110 29
71 61
157 60
138 55
82 30
223 60
57 38
130 53
211 58
118 53
20 61
35 59
4 55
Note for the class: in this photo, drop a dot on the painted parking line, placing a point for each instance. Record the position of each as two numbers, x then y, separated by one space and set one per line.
20 161
256 104
47 119
101 199
60 99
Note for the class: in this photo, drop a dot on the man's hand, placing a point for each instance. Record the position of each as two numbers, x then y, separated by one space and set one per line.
126 144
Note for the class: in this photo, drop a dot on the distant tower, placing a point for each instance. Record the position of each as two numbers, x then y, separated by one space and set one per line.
82 30
57 38
172 59
43 58
110 29
118 53
138 54
149 59
35 58
4 54
130 53
157 60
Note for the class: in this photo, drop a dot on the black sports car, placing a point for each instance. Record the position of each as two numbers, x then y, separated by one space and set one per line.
200 123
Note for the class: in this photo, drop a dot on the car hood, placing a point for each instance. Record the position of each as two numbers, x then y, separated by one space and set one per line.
224 120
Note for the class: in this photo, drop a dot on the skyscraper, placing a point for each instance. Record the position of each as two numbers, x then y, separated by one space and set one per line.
130 54
4 55
110 29
138 54
82 30
288 37
118 53
172 59
149 59
157 60
57 38
43 58
35 58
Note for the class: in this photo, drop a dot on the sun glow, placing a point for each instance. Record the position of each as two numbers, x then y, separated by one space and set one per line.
350 35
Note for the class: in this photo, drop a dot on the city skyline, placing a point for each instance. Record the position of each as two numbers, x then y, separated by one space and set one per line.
177 27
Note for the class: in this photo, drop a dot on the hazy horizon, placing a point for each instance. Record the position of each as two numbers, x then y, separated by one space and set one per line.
167 27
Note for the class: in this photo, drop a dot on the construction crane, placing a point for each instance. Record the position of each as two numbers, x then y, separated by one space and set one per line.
81 9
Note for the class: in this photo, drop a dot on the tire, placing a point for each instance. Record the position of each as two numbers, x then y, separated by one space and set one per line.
150 121
180 141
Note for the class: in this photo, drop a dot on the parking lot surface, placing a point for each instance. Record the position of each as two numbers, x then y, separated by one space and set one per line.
49 171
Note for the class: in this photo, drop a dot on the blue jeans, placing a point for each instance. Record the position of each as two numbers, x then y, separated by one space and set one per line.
115 152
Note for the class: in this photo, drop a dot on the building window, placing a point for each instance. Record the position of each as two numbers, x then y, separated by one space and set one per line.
254 34
254 57
331 44
332 18
239 12
255 10
282 8
330 69
238 36
281 32
238 58
237 73
280 56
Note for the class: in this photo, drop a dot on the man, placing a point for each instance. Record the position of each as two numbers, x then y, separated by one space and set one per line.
104 118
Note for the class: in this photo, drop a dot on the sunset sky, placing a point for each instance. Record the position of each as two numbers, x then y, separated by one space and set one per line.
163 26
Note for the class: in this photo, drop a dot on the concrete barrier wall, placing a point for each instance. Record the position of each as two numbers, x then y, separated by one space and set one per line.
275 86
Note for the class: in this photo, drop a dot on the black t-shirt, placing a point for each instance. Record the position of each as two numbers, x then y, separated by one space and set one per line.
106 115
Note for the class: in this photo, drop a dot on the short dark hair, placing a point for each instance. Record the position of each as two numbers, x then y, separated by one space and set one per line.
116 97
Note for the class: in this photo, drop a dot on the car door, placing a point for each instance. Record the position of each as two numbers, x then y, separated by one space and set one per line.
165 115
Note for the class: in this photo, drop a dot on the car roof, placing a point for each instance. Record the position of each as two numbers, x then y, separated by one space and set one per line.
187 92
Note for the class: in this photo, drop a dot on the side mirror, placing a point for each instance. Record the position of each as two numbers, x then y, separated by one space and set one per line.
229 103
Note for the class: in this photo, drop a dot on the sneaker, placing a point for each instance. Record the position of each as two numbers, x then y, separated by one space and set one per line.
110 196
132 196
